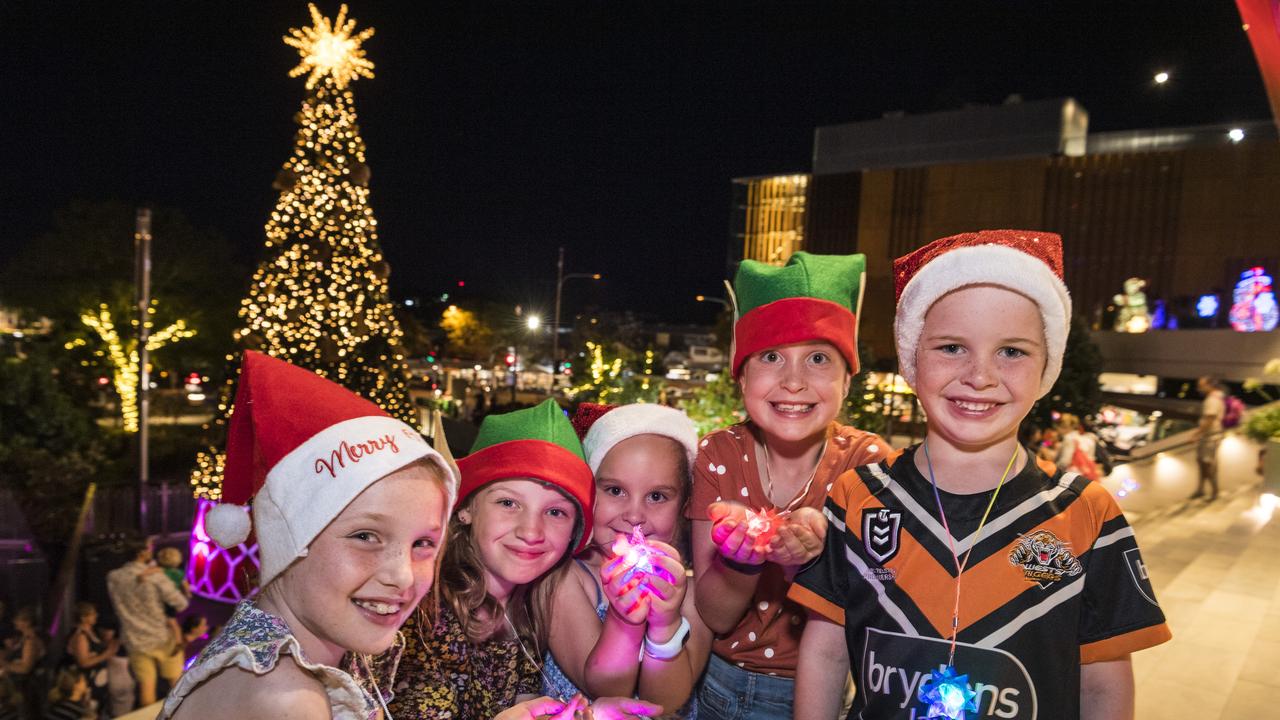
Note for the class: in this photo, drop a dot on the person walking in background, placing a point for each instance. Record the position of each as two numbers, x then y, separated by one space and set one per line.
1209 435
139 601
88 649
1078 450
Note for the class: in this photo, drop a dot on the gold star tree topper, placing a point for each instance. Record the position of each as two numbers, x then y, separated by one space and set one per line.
330 49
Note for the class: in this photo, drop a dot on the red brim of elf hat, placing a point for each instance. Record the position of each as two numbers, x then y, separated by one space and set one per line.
536 460
796 320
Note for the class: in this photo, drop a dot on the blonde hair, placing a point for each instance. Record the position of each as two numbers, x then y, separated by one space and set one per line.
170 557
464 591
64 686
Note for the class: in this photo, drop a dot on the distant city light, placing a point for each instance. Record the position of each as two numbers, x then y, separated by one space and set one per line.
1162 78
1236 134
534 322
1207 306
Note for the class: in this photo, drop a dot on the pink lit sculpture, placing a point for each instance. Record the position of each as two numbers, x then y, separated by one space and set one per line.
217 573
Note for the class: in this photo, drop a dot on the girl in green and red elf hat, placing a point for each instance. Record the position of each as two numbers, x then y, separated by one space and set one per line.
523 508
759 485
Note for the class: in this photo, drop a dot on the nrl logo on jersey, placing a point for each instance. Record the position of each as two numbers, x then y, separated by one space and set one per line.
1044 558
880 530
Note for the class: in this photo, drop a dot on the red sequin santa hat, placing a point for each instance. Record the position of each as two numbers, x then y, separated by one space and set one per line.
302 448
1024 261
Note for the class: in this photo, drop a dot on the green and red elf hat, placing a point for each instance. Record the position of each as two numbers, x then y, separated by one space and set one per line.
811 298
536 443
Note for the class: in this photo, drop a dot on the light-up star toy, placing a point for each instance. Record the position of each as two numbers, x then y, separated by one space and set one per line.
636 559
763 525
948 694
637 556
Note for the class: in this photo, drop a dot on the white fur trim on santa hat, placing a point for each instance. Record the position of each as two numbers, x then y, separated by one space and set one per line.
311 485
640 419
984 265
227 524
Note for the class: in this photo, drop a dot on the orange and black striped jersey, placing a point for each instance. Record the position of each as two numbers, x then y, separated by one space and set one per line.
1055 580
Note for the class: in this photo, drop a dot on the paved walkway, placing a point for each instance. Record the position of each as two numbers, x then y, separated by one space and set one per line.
1216 570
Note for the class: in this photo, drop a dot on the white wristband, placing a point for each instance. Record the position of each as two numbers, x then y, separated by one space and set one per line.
670 648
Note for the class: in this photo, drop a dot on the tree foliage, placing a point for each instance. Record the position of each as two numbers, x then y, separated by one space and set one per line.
87 258
48 446
1077 390
466 334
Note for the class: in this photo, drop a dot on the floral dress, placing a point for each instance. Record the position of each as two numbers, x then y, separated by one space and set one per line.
254 640
442 674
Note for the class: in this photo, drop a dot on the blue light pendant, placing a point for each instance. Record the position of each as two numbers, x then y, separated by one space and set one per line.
948 694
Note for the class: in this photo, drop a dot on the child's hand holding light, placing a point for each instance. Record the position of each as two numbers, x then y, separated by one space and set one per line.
732 536
799 539
667 587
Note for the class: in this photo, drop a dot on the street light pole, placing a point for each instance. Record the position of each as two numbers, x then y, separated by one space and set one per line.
555 324
142 296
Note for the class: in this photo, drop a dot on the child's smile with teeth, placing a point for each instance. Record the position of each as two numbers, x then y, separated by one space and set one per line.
379 608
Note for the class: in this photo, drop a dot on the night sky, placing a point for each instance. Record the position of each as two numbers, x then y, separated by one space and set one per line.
497 131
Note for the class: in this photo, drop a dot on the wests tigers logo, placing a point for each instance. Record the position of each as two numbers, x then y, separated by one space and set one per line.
1044 558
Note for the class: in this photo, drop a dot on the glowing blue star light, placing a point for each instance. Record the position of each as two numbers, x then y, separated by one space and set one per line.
948 694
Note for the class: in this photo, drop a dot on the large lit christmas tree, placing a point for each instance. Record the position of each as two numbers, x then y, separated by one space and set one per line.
319 299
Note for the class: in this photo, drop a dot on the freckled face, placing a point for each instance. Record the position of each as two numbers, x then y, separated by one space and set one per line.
639 483
793 392
979 362
366 571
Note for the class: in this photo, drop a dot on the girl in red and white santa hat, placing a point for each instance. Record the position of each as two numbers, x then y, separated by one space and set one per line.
350 508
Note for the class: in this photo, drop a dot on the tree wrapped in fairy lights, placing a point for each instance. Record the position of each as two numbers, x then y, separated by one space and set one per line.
319 299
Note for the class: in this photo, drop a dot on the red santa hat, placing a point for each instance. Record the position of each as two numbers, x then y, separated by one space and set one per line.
626 421
1024 261
302 448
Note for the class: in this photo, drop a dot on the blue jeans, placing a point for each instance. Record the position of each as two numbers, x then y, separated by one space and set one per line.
728 692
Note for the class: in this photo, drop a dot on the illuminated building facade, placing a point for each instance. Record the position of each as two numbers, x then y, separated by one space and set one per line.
769 216
1186 209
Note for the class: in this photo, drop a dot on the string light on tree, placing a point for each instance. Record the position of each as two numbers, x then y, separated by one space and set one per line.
320 297
123 356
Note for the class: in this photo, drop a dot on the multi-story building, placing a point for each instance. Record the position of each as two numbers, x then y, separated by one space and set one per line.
1186 209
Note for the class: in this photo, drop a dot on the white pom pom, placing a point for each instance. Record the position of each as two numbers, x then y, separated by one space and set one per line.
227 524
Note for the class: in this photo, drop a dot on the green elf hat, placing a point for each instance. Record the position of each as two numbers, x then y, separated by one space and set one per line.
812 297
536 443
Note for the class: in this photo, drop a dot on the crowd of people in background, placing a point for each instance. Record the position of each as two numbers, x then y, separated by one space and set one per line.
96 669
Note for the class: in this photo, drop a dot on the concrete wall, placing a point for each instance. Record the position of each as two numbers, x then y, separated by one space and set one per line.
1225 354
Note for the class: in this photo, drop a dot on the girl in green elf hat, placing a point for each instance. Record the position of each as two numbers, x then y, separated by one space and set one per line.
523 508
758 486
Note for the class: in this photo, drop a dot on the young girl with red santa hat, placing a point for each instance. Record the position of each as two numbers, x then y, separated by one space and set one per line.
350 508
